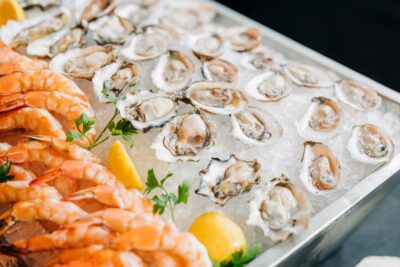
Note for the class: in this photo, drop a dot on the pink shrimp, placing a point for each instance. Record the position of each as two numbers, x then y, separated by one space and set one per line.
15 191
11 61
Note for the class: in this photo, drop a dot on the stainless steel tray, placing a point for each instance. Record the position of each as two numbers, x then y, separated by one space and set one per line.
329 227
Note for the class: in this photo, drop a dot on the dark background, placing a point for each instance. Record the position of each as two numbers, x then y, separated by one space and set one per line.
365 36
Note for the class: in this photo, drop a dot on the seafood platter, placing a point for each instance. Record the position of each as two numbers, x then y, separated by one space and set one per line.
294 148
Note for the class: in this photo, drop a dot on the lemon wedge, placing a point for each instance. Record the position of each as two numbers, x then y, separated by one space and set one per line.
122 167
219 234
10 10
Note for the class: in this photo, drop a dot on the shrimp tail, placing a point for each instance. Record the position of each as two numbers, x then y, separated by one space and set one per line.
6 222
82 194
10 249
11 102
47 177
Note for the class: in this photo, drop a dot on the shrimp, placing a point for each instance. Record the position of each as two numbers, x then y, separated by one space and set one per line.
83 171
53 210
131 200
17 172
15 191
40 80
11 61
37 120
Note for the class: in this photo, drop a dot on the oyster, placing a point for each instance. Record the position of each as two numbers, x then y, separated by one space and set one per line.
357 95
146 110
281 209
262 58
184 138
110 30
88 10
132 12
321 121
370 144
269 86
56 43
167 33
173 72
83 63
220 70
244 38
39 3
256 127
308 76
114 77
208 45
144 46
320 169
145 3
16 33
225 179
216 97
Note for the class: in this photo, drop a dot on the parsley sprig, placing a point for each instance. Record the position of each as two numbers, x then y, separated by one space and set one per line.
241 258
5 172
166 200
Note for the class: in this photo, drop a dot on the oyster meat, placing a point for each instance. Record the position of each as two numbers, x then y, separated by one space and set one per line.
281 209
174 71
321 121
320 171
44 4
256 127
207 46
357 95
83 63
167 33
370 144
220 70
184 138
144 46
88 10
262 58
269 86
146 110
132 12
216 97
225 179
110 30
243 38
114 77
308 76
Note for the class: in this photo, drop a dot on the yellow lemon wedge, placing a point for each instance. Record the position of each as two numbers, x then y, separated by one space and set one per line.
219 234
122 167
10 10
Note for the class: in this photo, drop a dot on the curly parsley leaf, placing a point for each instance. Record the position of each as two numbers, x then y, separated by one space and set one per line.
5 172
241 258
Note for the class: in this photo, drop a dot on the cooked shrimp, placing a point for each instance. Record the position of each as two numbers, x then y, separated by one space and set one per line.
40 80
18 172
81 170
11 61
15 191
36 120
131 200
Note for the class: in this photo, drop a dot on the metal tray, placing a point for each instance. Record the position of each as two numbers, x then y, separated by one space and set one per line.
329 227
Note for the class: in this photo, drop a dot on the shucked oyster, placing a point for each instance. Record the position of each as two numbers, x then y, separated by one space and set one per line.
269 86
280 209
219 70
184 138
225 179
243 38
88 10
144 46
208 45
321 121
174 71
216 97
110 30
262 58
320 170
39 3
114 77
370 144
308 76
132 12
357 95
146 110
83 63
255 127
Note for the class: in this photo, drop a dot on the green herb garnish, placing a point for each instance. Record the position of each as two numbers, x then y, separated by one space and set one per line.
241 258
166 200
5 172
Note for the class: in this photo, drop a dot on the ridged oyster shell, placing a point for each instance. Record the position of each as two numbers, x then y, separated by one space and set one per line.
225 179
220 70
308 76
269 86
110 30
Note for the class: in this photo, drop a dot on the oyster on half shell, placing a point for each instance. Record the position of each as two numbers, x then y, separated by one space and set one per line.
262 58
269 86
243 38
88 10
308 76
208 45
357 95
184 138
132 12
144 46
219 70
44 4
370 144
110 30
320 171
281 209
321 121
225 179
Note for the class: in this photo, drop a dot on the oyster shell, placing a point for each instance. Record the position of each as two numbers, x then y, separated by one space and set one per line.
220 70
370 144
146 110
243 38
16 33
256 127
144 46
44 4
56 43
88 10
132 12
114 77
184 138
83 63
281 209
110 30
320 169
357 95
308 76
174 71
262 58
167 33
207 46
225 179
216 97
269 86
321 121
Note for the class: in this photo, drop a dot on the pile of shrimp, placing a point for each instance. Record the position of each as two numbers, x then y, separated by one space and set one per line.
96 220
